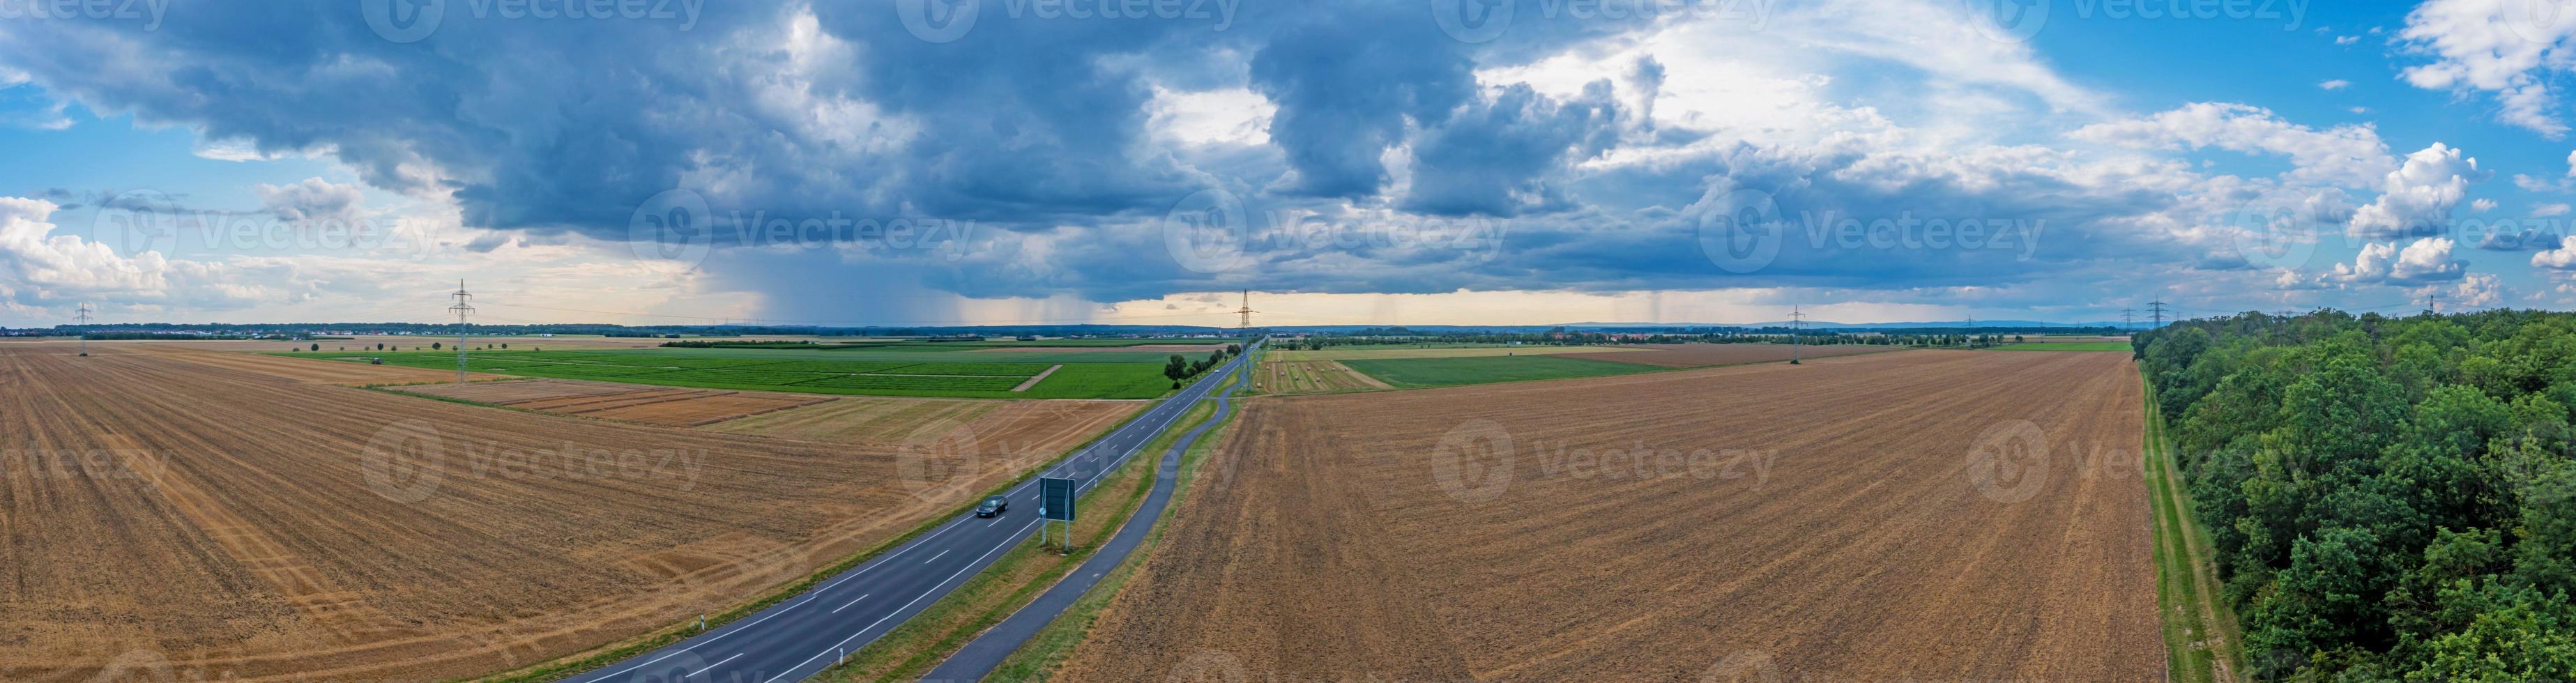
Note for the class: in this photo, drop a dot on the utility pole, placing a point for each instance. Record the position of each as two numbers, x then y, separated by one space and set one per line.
2128 321
461 309
1795 318
1246 330
83 317
2158 308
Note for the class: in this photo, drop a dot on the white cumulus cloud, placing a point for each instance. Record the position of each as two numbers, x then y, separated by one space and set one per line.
2417 198
2509 49
2426 260
2344 155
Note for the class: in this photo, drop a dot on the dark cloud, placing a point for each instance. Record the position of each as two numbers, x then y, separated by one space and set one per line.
1498 158
1349 85
1039 132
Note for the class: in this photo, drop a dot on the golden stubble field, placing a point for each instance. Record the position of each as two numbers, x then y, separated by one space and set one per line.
1925 515
189 521
1702 355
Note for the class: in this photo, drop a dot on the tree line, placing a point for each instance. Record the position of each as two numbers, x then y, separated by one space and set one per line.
2388 498
1180 367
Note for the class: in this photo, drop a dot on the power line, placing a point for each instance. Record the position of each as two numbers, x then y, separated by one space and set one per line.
83 317
1246 330
2128 321
1795 317
462 308
2158 308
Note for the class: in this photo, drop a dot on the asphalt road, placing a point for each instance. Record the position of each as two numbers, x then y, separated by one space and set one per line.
805 634
979 658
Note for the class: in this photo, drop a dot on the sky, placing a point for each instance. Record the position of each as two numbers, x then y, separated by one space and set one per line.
1007 162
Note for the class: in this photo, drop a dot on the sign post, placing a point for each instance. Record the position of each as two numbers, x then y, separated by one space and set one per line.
1056 497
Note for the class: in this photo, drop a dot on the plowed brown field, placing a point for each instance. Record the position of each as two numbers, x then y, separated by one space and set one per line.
1832 521
1703 355
198 522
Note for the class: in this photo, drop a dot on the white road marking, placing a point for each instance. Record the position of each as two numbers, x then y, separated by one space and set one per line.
718 663
934 588
837 610
935 558
710 639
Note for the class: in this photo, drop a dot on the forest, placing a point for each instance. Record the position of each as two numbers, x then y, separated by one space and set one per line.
2389 498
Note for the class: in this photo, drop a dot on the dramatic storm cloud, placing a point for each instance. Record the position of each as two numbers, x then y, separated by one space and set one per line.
848 161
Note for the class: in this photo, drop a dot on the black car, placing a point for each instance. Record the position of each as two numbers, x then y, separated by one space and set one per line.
993 507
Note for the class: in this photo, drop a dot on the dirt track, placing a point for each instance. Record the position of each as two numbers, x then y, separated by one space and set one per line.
1841 525
230 523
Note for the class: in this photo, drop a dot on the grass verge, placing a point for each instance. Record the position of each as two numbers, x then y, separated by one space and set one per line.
1037 659
2201 639
1022 574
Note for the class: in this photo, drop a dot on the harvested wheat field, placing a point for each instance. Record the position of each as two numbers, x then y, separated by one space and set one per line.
1704 355
1022 429
1817 522
1311 376
237 524
343 373
673 407
397 342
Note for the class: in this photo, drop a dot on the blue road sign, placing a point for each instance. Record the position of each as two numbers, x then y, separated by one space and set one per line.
1055 499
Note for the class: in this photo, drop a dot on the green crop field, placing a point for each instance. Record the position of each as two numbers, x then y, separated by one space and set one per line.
1441 372
921 353
905 373
1020 370
2067 346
